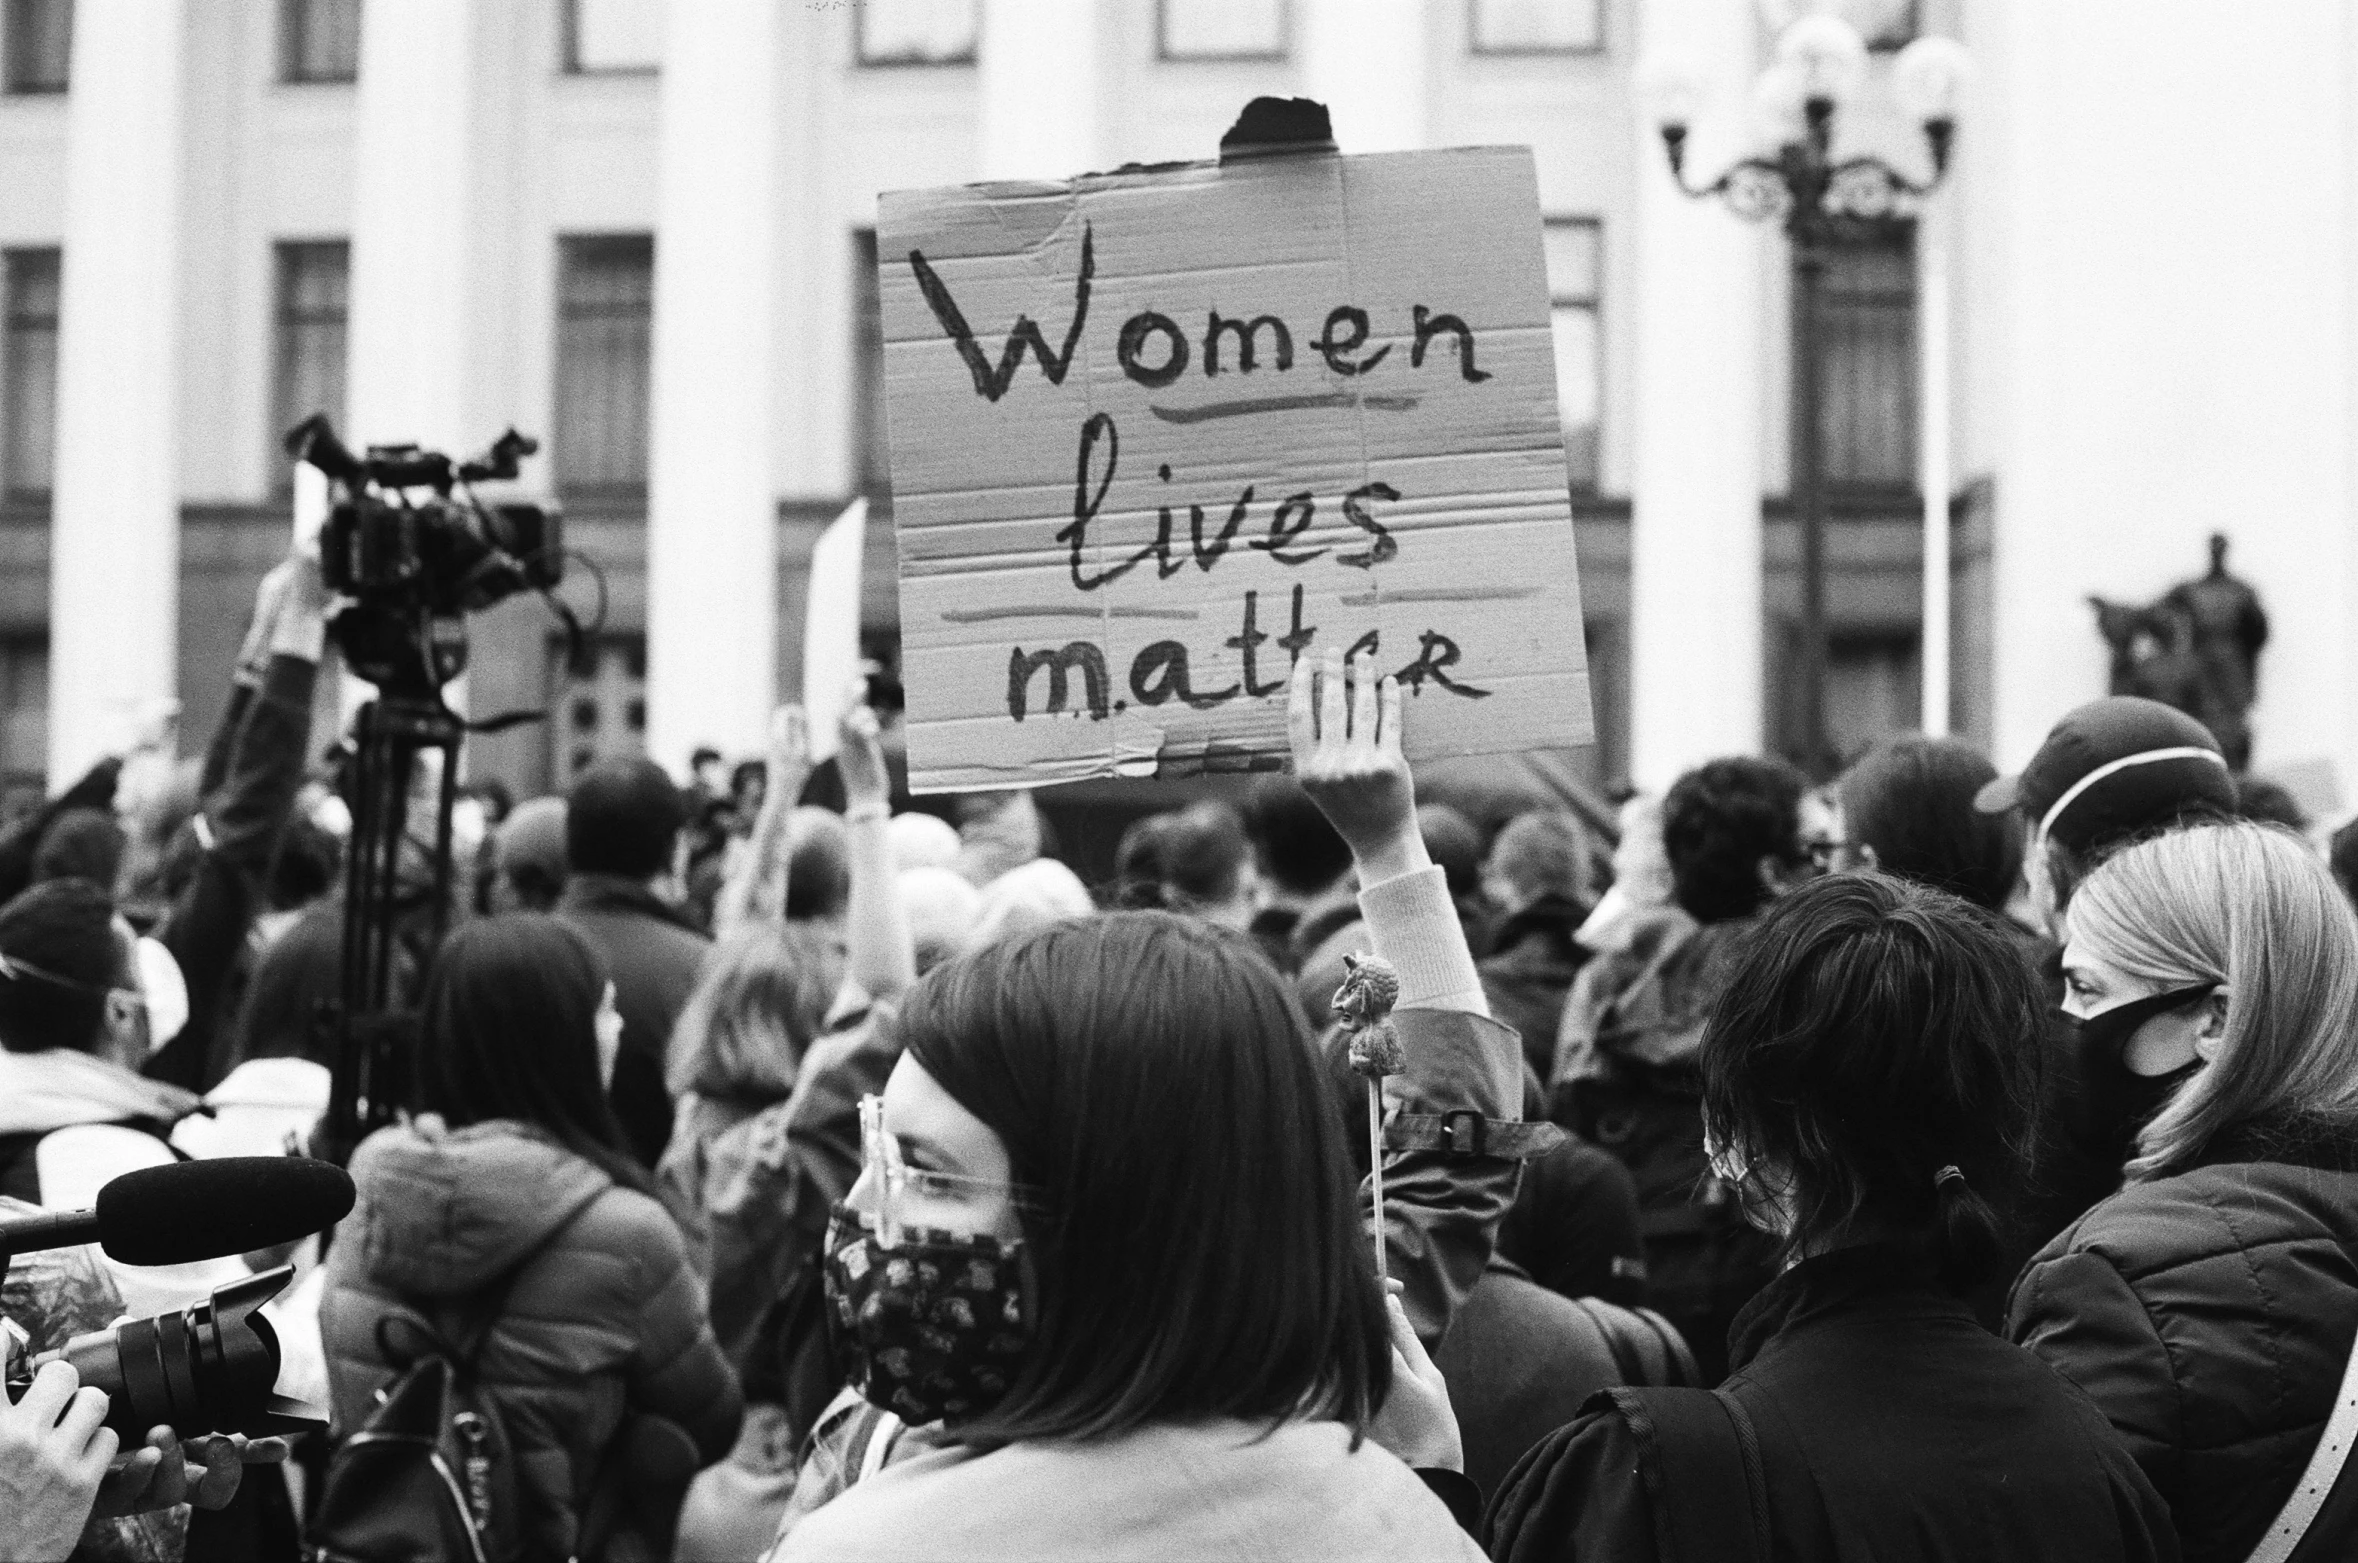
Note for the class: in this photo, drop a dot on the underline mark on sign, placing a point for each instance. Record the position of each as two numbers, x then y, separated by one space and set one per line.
1052 611
1439 594
1252 404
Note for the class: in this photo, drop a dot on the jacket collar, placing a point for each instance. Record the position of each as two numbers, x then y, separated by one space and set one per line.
614 893
1868 1278
1555 916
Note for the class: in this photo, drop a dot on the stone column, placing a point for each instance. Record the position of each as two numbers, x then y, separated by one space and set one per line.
1365 60
115 513
1036 84
1695 534
712 495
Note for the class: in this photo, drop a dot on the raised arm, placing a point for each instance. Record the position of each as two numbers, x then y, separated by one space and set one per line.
883 955
1453 1136
756 886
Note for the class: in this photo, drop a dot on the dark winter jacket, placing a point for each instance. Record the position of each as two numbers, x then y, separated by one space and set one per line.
654 957
2210 1315
1574 1225
1626 1079
603 1320
1892 1428
1530 968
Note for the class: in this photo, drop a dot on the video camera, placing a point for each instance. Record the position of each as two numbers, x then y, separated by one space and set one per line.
211 1367
414 566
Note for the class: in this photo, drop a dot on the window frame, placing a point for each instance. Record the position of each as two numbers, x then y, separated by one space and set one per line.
14 85
862 61
294 31
282 356
1594 303
1898 234
569 50
1477 49
11 258
612 491
1165 55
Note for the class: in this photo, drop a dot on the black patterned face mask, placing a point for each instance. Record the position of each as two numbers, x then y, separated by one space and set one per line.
932 1329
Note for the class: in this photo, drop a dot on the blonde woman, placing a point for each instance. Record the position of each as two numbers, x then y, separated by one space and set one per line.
2209 1307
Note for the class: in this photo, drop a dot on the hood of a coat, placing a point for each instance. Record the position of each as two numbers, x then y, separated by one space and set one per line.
444 1212
59 1088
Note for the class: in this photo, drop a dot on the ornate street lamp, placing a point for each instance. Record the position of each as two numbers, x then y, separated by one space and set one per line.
1821 60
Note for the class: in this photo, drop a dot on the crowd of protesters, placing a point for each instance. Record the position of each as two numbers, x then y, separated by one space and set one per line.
1930 1165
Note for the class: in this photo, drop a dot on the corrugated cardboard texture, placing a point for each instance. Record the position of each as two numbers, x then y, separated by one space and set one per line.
1109 560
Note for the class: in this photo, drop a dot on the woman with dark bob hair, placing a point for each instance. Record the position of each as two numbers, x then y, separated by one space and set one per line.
511 1220
1106 1253
1866 1080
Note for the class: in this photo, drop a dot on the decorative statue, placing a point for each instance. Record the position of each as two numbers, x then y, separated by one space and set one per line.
2197 648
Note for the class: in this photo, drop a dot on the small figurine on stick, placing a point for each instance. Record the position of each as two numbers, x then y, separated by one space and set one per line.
1364 1005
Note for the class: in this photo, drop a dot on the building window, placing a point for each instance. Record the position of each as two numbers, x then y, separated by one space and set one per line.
871 444
609 36
1867 364
310 316
1574 285
1220 29
39 44
28 372
1538 26
915 32
600 701
605 308
24 713
321 40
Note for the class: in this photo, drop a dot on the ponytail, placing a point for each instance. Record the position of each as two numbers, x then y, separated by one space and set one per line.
1966 1235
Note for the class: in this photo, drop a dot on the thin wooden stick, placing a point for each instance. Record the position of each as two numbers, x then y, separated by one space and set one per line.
1375 1167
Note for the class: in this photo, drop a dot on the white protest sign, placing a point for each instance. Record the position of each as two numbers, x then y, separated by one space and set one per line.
1157 433
831 626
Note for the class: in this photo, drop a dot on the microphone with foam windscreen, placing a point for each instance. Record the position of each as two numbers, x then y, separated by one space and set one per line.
212 1366
194 1210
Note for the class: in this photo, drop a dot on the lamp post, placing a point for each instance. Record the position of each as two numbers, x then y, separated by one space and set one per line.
1815 196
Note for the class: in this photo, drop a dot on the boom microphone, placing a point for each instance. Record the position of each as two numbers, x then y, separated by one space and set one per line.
194 1210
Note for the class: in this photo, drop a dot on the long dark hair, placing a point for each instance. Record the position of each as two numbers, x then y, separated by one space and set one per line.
510 1019
1874 1033
1197 1251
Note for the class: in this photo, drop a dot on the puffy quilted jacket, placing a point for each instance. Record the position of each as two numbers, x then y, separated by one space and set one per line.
2210 1314
603 1318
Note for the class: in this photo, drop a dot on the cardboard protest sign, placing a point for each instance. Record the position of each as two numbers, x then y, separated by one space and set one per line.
1157 433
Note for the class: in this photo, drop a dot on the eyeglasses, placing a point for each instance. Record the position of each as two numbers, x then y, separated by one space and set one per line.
899 1188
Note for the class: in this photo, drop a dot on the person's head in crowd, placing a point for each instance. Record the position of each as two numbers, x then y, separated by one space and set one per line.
1023 899
518 1022
761 1002
922 841
294 981
818 865
1731 830
1906 807
1641 873
2223 960
1869 1073
2343 859
2269 802
83 844
1300 856
305 865
943 910
1454 843
69 974
707 771
529 854
1539 856
623 818
749 783
1197 861
2111 771
1123 1092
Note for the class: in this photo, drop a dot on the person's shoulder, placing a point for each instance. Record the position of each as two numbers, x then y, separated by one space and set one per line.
1585 1485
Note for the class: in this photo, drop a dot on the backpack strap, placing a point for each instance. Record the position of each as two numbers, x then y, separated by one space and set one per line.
2328 1463
482 1316
1707 1455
